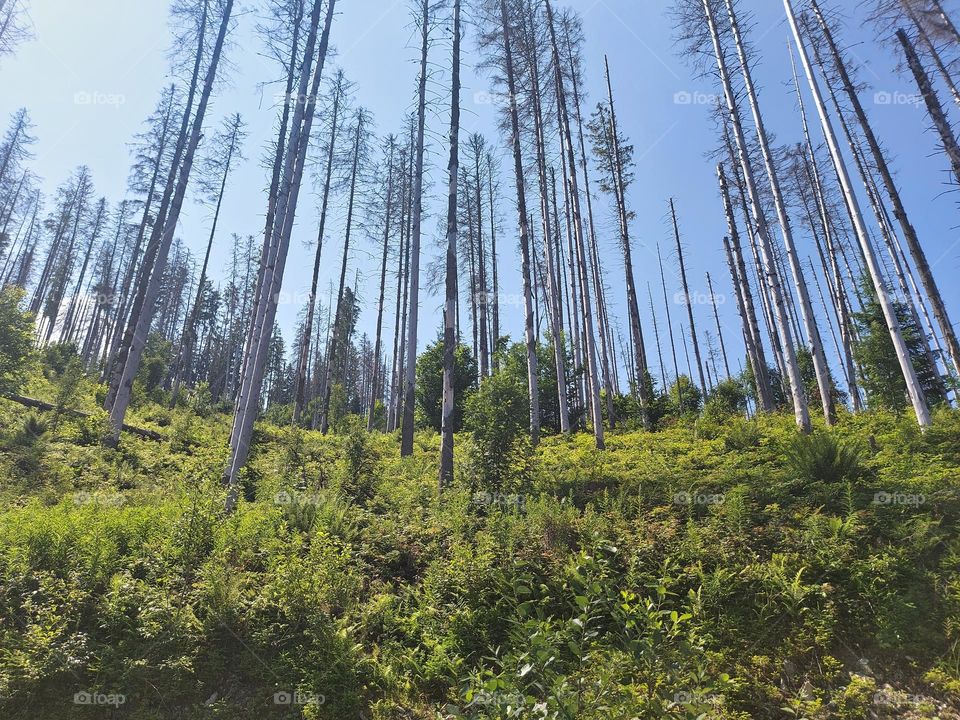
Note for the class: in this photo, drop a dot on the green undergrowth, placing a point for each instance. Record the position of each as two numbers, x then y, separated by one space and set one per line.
722 569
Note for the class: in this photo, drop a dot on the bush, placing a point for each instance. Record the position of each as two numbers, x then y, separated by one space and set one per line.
497 415
16 339
430 384
820 457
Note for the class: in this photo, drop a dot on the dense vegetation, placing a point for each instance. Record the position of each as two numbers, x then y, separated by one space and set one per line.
717 568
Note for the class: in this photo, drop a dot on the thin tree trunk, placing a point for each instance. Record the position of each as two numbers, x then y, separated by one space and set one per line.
338 314
899 212
914 390
792 368
738 271
567 137
493 266
656 337
185 359
633 305
934 107
296 151
716 317
686 299
410 381
814 342
449 338
375 382
304 355
139 339
673 344
525 239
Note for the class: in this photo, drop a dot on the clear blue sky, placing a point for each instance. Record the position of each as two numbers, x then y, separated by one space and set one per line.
115 48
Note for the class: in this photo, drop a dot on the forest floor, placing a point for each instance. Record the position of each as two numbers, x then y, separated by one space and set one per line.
716 569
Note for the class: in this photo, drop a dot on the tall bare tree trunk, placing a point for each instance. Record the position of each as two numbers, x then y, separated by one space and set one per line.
815 344
525 238
686 298
494 275
673 344
893 324
300 378
482 259
656 338
375 383
934 107
738 271
248 400
554 299
716 317
792 368
567 137
899 212
338 315
139 339
932 50
410 381
633 304
184 362
449 336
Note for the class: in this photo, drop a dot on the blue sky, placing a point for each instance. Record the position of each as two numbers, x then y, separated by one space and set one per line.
114 52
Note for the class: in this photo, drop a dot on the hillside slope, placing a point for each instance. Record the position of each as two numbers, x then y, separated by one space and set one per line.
720 570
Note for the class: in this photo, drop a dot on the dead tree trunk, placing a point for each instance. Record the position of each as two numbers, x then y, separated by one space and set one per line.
375 381
142 325
893 324
410 381
899 212
801 411
449 336
525 239
934 107
574 191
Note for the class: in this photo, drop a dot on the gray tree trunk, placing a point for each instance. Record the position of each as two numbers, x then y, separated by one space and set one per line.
533 385
139 339
582 260
792 368
410 381
914 390
899 212
449 336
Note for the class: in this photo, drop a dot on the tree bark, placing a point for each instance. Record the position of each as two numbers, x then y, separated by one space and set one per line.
899 212
449 336
574 192
893 324
800 408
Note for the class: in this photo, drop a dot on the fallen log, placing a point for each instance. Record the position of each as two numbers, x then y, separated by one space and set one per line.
48 407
